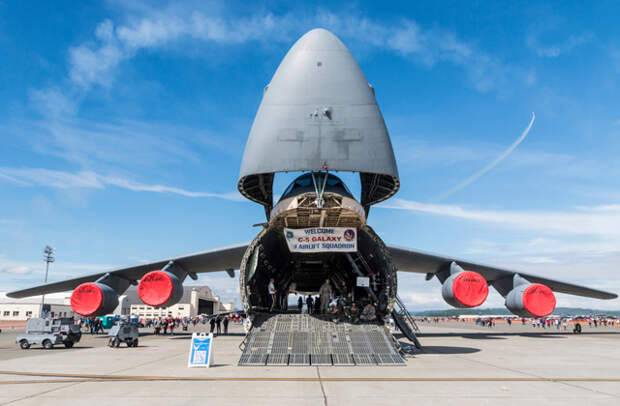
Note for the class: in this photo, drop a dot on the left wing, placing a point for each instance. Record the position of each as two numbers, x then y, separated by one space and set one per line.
219 259
409 260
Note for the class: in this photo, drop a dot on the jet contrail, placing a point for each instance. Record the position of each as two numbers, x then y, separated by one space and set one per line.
490 166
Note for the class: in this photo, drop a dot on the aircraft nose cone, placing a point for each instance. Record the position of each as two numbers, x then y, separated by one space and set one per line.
319 39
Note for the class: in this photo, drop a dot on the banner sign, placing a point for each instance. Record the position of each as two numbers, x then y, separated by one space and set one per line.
200 350
363 281
328 239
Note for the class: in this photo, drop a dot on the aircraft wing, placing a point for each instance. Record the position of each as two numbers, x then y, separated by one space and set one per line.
219 259
409 260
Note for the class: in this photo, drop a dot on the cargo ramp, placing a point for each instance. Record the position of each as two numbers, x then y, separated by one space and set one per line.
302 339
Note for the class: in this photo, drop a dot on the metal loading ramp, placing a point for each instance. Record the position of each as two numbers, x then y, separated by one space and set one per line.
301 339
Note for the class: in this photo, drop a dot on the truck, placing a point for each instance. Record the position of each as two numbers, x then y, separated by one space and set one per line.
49 332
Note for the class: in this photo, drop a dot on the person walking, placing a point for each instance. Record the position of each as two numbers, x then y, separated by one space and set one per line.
326 294
271 288
226 325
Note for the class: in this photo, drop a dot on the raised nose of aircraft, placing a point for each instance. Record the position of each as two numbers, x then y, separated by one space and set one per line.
318 112
319 39
319 69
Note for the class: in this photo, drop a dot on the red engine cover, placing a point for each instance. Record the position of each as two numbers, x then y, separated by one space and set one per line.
470 289
539 300
156 288
87 299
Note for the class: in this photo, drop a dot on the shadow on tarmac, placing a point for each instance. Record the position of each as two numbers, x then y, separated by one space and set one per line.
411 351
56 347
441 349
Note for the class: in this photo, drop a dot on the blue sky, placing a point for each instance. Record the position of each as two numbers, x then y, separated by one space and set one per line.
123 127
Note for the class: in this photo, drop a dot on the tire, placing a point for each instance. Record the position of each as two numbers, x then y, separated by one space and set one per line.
68 343
135 342
24 344
47 344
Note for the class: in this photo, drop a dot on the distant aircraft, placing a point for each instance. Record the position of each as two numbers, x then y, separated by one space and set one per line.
318 115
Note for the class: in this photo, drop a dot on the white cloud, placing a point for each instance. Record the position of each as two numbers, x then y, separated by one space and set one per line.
586 221
95 62
471 179
92 180
534 42
17 270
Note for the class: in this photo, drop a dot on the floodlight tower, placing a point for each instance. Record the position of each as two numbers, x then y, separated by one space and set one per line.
48 256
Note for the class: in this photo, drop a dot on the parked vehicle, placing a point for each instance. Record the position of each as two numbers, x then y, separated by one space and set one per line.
49 332
123 332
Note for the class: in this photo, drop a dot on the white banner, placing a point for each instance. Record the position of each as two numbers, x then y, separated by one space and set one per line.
328 239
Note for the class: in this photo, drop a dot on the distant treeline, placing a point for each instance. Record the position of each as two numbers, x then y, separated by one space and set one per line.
560 311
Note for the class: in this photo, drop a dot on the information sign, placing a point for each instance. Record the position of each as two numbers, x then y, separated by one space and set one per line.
200 350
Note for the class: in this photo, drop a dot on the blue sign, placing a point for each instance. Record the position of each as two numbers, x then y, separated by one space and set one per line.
200 350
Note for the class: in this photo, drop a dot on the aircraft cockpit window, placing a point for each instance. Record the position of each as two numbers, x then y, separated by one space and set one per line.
304 183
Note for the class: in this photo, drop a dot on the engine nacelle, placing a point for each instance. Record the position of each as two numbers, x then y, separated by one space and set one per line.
160 289
531 300
93 299
465 289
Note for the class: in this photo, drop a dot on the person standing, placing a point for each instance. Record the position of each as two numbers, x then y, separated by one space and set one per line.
271 288
343 289
218 323
309 304
300 304
212 324
326 294
226 325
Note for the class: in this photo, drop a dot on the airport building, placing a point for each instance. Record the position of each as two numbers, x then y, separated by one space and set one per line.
196 300
15 314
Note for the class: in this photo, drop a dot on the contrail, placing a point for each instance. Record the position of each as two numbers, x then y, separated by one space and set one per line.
490 166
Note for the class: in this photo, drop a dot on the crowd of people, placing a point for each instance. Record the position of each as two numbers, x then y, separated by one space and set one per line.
340 304
167 325
93 324
553 322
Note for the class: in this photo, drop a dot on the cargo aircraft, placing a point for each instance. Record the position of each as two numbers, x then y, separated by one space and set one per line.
318 116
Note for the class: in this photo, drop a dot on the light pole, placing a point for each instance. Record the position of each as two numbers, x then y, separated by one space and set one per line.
48 256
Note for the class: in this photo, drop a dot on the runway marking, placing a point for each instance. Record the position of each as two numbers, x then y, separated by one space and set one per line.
120 378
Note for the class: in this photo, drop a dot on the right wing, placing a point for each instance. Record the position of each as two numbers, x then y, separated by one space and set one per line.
219 259
409 260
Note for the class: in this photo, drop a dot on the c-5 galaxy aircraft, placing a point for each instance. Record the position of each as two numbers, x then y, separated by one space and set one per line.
318 116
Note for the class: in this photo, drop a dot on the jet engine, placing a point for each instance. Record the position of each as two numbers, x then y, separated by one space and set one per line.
531 300
93 299
160 288
464 288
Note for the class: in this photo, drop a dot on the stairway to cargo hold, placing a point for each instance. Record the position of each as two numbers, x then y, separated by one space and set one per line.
301 339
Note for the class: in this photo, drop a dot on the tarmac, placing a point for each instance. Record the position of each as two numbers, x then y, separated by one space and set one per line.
461 364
